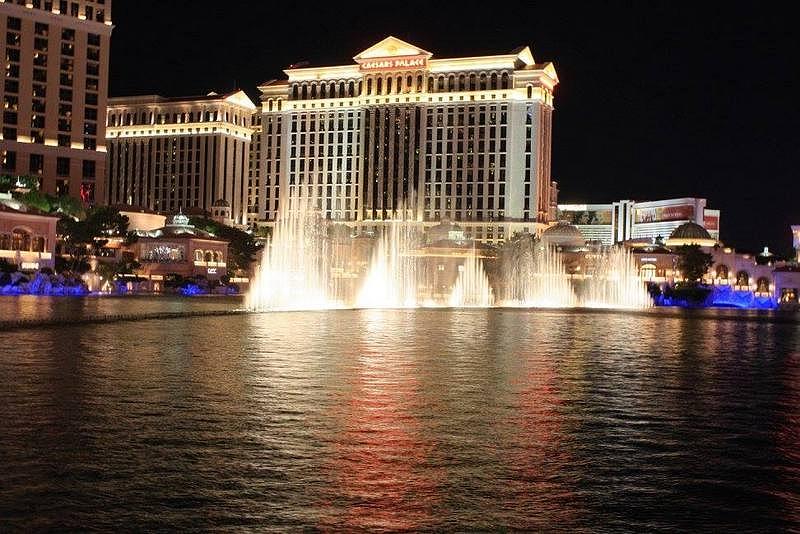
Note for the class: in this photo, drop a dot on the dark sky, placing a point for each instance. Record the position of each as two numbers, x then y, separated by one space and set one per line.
657 99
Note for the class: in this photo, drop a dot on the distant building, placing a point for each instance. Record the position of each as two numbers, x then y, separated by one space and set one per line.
55 93
466 139
180 248
627 219
168 154
27 236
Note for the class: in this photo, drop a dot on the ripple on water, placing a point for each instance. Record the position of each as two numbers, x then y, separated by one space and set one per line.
404 420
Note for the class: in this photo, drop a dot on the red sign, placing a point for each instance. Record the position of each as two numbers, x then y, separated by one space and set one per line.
669 213
711 222
394 63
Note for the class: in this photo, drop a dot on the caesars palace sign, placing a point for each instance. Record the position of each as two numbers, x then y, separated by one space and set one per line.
394 63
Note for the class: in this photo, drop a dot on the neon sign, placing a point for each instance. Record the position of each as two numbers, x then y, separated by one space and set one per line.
395 63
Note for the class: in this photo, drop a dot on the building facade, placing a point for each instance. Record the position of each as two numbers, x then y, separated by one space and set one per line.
27 236
55 93
166 154
398 133
626 220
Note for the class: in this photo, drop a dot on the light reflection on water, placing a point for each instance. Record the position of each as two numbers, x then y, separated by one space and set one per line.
380 419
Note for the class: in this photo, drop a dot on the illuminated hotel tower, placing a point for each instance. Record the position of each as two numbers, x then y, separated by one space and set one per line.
54 93
165 154
465 138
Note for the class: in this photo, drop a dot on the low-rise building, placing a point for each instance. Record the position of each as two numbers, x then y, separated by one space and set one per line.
27 236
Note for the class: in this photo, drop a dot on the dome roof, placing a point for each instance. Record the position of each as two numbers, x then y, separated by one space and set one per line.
221 203
564 234
690 230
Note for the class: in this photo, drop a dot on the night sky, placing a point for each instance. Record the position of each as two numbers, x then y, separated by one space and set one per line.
661 100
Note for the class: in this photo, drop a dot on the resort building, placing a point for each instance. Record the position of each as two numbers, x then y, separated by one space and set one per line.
626 220
54 93
398 133
27 236
167 154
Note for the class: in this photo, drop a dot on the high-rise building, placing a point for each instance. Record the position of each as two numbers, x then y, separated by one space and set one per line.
466 139
170 153
55 93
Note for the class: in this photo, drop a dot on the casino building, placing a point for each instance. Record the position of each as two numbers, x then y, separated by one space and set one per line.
171 153
54 94
628 220
399 133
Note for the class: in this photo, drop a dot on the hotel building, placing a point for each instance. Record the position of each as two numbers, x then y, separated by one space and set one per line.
466 139
54 93
627 220
166 154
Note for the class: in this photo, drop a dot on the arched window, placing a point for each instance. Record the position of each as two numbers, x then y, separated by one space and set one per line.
369 86
722 271
351 89
440 84
313 90
742 278
323 90
483 81
379 86
530 91
198 255
451 82
332 90
762 285
38 244
504 81
269 104
409 83
462 82
294 91
388 85
493 83
473 82
341 89
430 84
304 92
419 83
358 88
217 256
209 256
20 240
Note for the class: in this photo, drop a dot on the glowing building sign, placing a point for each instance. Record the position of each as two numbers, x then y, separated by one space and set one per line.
394 63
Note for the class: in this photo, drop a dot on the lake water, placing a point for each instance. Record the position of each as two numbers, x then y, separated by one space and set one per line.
400 420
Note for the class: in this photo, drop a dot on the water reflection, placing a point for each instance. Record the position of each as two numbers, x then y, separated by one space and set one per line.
403 420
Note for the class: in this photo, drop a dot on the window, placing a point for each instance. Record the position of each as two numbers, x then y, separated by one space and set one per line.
62 166
36 163
8 160
89 168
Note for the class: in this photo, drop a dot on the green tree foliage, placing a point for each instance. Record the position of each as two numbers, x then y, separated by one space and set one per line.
88 236
693 262
242 247
9 183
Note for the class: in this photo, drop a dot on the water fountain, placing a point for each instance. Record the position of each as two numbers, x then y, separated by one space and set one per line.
392 278
614 282
472 289
535 276
303 267
295 267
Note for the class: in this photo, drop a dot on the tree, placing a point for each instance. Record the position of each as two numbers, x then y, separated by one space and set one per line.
242 246
693 263
88 236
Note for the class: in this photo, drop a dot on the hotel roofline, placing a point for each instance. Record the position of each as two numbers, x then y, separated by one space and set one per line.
237 98
520 60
